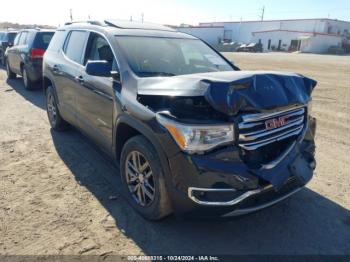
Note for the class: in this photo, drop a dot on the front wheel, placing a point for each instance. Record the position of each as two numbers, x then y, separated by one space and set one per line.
143 179
55 119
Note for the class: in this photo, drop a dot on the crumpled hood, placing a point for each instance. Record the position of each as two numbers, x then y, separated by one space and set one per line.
230 92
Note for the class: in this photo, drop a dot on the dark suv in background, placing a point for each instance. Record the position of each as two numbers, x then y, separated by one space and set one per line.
6 40
190 131
25 57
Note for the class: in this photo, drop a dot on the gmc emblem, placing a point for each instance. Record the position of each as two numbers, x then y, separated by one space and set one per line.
276 122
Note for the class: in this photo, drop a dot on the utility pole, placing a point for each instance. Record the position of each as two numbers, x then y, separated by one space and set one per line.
71 14
131 18
262 13
142 16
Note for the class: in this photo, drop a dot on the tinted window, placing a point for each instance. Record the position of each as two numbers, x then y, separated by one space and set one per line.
99 49
75 46
11 37
57 41
42 40
1 36
153 56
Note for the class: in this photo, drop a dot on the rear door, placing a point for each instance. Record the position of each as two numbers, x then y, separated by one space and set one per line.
95 99
20 52
12 56
67 84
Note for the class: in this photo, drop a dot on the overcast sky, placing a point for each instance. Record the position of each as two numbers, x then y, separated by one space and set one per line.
169 11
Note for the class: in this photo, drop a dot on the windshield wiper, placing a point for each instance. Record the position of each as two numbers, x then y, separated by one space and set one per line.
150 73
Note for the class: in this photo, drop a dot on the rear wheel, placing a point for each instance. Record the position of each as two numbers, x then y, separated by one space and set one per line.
143 179
10 74
55 119
28 84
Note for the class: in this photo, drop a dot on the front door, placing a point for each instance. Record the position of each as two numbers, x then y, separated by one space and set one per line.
95 99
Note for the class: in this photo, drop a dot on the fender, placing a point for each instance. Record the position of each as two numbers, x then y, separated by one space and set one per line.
149 134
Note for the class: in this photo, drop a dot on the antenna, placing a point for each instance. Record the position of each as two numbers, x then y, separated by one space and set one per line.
71 14
262 13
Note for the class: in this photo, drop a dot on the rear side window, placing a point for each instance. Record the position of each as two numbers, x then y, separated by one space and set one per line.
42 40
74 48
23 39
57 41
16 41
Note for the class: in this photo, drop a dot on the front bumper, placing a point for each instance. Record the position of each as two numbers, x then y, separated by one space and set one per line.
220 184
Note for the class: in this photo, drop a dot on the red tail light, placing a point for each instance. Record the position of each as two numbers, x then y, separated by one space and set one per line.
37 53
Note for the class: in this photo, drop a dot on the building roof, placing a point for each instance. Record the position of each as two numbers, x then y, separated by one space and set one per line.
277 20
295 31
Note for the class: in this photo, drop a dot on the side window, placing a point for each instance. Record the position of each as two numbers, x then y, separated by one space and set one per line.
99 49
23 38
18 36
57 41
74 48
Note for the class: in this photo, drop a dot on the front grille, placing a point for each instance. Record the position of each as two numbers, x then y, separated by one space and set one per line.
254 134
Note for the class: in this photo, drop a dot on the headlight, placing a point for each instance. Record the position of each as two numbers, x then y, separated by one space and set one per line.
197 138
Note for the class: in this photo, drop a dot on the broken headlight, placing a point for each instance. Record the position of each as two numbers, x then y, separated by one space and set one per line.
198 138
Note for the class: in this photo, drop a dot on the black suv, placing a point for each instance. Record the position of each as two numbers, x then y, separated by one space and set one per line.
190 131
6 40
25 57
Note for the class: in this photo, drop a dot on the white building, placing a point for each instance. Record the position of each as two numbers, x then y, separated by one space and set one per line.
305 35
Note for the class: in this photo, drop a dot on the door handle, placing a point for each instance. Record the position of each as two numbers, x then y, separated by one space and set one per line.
80 79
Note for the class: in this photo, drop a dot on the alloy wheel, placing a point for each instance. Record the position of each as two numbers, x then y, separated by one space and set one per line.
139 178
51 108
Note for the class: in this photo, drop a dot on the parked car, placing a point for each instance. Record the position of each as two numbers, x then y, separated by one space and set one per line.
6 40
190 132
252 47
25 57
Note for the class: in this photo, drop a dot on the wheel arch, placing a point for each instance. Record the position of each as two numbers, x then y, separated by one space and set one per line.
127 127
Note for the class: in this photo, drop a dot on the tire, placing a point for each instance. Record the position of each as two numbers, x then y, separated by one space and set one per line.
28 84
10 74
151 208
53 114
2 59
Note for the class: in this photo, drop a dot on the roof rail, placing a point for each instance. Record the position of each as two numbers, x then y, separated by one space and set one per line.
92 22
123 24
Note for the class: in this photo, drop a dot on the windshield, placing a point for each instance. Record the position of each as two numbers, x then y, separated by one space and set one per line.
156 56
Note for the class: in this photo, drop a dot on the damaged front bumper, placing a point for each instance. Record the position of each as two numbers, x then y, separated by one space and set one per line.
220 183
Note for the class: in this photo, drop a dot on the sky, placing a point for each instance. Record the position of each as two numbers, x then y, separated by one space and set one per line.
172 12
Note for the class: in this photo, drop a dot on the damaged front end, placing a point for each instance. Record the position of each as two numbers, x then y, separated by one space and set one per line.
246 138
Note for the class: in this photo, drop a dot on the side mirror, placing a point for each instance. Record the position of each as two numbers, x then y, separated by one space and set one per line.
10 44
98 68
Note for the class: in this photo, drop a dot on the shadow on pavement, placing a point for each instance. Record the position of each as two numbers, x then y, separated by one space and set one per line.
34 96
307 223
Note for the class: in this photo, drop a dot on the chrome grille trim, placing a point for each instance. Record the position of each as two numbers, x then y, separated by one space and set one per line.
251 136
